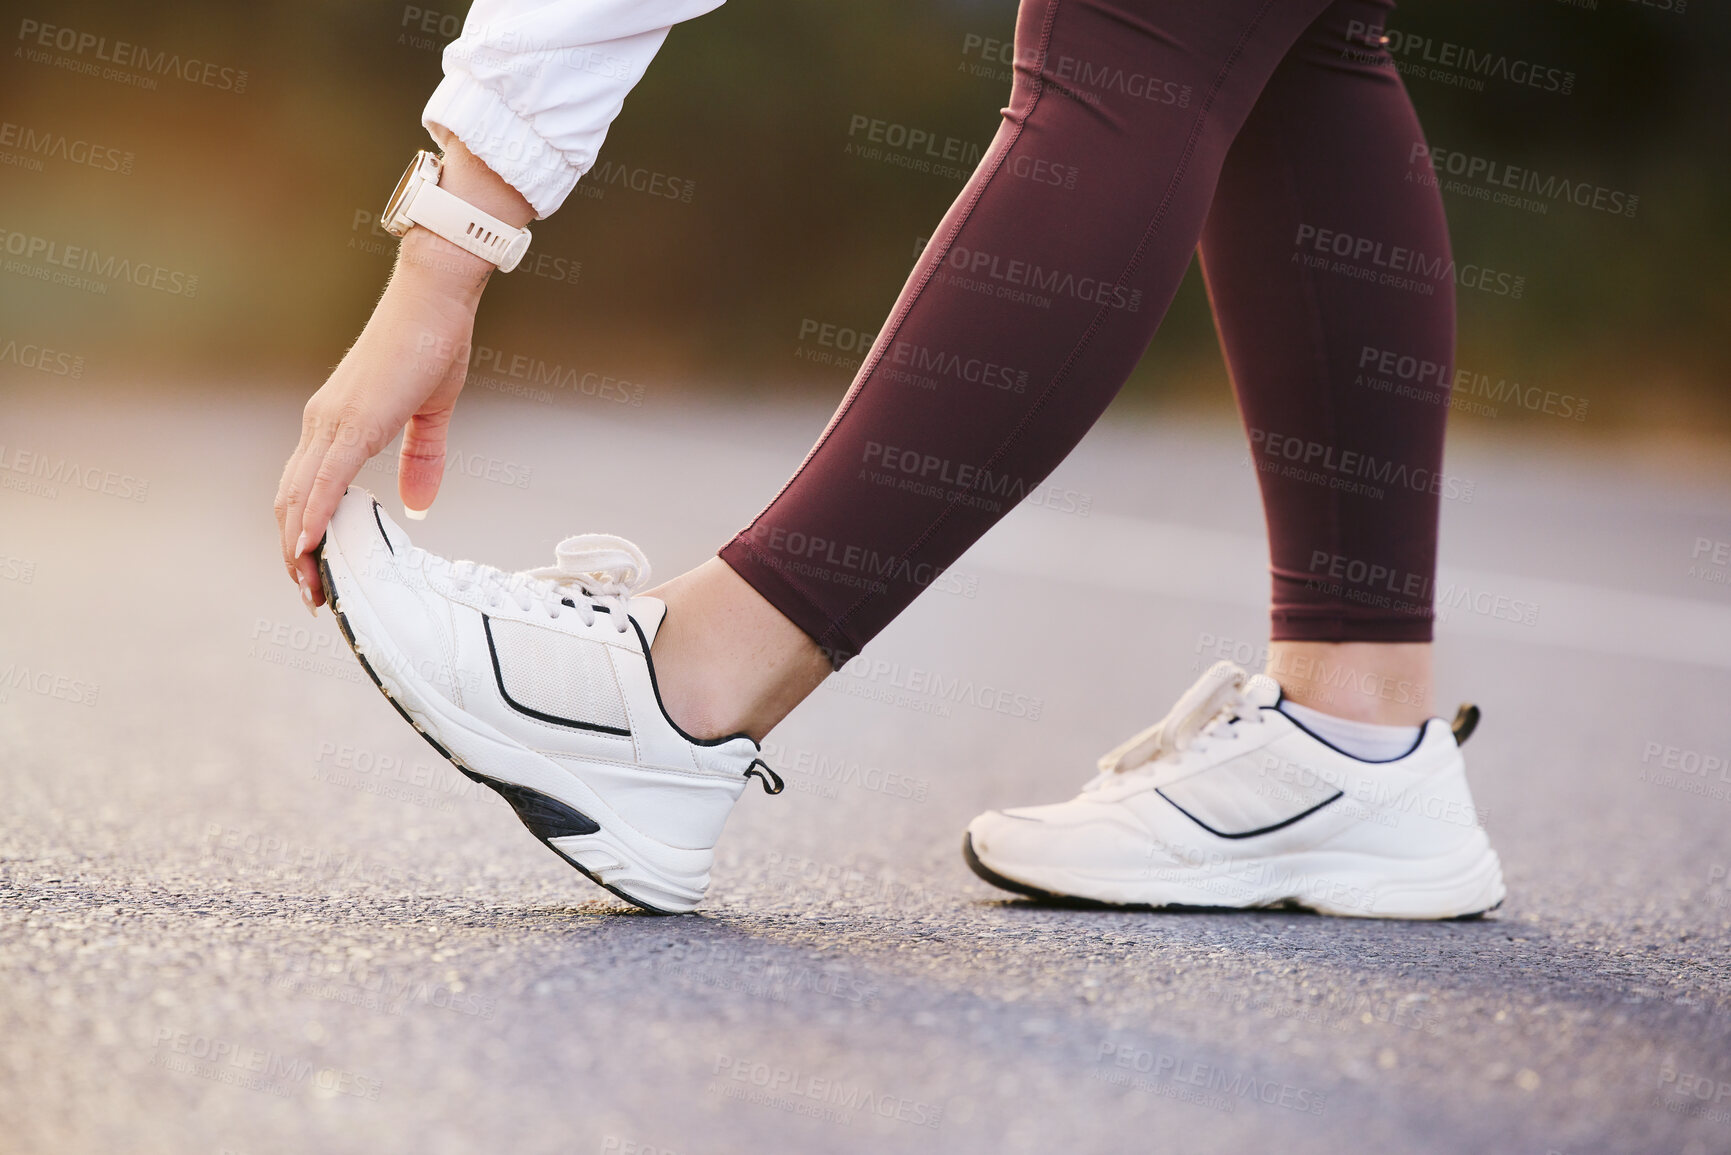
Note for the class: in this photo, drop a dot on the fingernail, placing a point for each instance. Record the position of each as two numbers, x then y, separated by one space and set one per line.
301 545
307 599
414 514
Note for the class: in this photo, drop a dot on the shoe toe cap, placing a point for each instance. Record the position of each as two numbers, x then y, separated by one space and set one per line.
1066 833
363 532
388 603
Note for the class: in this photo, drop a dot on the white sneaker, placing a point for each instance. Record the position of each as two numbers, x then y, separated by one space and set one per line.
1228 802
540 685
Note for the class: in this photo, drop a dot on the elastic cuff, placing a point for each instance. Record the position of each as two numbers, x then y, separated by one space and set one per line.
1296 626
503 140
762 574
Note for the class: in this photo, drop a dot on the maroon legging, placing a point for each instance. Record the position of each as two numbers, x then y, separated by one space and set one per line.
1276 133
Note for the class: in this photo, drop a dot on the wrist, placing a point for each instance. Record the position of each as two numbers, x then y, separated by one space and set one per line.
467 176
429 265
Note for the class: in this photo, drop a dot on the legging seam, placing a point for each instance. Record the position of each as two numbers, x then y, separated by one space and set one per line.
1149 231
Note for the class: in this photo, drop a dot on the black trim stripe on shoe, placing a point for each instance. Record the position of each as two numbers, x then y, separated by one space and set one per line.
499 678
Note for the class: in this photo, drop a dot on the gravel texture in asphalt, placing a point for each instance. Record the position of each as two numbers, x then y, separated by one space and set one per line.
243 908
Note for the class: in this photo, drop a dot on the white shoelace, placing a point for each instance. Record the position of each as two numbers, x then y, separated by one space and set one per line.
590 567
1204 714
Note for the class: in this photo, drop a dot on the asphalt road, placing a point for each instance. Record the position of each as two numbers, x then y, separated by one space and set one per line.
243 909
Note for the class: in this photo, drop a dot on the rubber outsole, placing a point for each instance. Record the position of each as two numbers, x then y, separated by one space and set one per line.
544 817
1003 883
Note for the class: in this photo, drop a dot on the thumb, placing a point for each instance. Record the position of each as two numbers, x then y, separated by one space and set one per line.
422 464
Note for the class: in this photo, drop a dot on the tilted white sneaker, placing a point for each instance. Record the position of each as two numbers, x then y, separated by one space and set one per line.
1228 802
540 685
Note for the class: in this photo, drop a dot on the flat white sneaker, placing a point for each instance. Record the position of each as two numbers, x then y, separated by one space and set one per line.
1228 802
540 685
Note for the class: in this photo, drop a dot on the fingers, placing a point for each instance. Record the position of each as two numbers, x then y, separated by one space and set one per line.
281 505
301 570
422 463
327 478
291 497
332 451
387 378
283 483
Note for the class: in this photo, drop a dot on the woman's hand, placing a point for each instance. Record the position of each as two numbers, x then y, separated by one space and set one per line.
404 373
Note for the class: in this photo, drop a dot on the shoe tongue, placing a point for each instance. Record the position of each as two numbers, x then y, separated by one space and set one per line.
1261 690
649 614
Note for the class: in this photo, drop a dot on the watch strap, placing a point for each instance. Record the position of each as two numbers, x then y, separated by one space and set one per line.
468 227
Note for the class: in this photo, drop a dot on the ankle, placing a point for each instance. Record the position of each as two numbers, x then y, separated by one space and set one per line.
698 707
727 662
1380 683
711 692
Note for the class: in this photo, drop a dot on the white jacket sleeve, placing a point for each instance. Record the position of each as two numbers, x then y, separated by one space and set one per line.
531 85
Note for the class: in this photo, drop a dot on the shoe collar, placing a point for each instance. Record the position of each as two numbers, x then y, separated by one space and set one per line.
649 613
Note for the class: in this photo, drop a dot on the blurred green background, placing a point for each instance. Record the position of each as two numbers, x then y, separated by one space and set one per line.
267 194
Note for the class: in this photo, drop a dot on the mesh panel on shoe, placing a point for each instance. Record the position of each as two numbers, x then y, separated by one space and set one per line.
1243 797
555 674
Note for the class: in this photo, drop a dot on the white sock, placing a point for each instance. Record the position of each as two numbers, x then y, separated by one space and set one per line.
1365 741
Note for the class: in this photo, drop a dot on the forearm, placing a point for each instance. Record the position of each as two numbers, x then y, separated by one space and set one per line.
537 137
531 86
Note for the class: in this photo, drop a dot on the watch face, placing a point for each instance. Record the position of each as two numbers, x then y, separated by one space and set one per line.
392 206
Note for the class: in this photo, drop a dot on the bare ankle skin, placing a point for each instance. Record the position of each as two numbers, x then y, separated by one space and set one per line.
727 661
1386 683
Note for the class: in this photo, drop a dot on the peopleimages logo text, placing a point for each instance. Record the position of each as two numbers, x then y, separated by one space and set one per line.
1450 61
1021 274
82 259
29 355
53 472
847 1097
1516 178
59 146
920 141
1353 463
1398 262
841 555
1091 78
124 54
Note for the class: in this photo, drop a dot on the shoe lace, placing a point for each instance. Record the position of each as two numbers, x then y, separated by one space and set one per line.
590 567
1205 714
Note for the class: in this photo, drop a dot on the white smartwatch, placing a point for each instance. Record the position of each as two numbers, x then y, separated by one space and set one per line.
419 200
